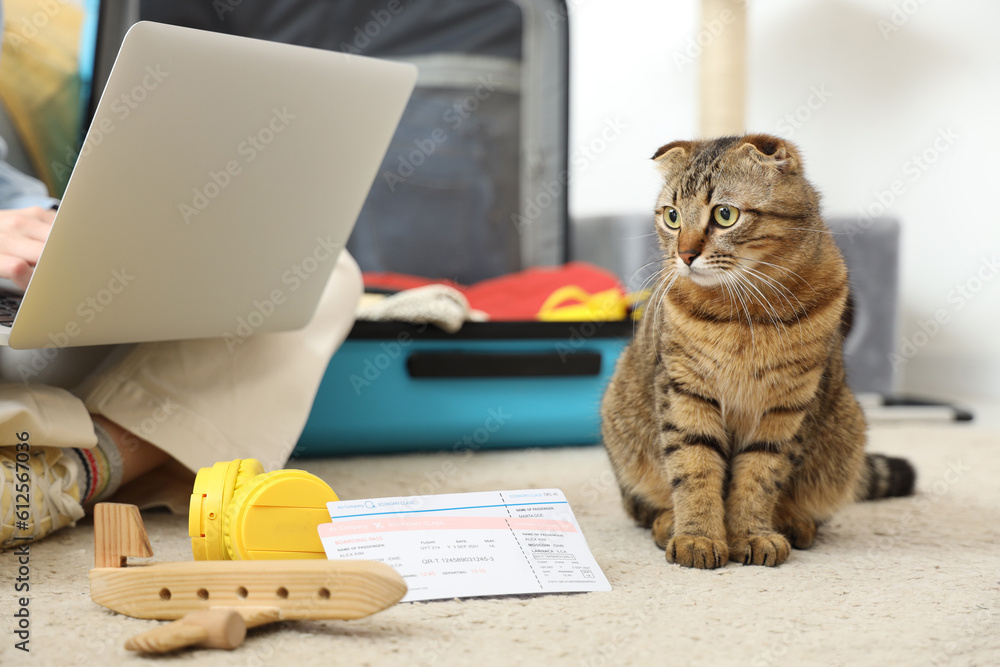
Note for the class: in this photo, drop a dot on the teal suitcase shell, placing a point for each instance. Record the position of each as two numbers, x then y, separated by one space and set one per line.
398 387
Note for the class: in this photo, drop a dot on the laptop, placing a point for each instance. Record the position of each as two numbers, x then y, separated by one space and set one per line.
215 189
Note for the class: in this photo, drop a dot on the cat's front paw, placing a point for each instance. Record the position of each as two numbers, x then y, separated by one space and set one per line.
763 549
697 551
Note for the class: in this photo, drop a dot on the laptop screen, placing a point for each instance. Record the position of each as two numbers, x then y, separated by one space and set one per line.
56 60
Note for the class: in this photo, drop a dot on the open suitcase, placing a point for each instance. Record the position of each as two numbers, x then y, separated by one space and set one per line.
473 186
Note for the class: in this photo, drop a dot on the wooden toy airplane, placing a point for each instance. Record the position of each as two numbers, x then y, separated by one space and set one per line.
214 602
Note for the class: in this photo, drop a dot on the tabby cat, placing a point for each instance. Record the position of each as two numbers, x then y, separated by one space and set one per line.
728 421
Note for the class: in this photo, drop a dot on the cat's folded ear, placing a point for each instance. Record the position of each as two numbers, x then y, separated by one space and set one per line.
669 155
771 153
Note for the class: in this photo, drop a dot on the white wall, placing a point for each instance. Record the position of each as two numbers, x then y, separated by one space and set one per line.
880 96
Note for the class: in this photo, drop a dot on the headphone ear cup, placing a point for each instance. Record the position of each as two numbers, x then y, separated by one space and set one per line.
276 515
240 492
215 489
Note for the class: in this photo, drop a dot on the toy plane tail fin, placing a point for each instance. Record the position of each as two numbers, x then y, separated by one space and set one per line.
118 533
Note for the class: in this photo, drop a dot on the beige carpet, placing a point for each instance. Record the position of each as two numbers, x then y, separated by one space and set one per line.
912 581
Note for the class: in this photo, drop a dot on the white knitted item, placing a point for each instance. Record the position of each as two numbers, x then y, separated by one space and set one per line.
439 305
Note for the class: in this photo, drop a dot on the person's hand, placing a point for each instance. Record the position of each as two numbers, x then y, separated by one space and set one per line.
22 234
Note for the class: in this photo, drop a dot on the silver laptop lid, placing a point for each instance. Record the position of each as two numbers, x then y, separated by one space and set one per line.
219 180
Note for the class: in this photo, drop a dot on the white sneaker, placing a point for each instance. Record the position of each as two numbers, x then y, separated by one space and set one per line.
39 493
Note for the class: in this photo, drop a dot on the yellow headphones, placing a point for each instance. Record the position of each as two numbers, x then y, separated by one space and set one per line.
239 512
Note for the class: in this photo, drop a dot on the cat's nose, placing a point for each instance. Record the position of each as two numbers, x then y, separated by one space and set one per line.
688 256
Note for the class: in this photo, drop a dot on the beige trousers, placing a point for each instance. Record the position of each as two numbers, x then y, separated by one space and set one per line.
201 401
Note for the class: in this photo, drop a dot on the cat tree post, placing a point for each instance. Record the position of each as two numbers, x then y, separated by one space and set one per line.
722 67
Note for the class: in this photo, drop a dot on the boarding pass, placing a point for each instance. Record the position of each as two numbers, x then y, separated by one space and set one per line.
468 544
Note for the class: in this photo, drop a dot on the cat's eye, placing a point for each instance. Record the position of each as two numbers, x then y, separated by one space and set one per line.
671 218
725 216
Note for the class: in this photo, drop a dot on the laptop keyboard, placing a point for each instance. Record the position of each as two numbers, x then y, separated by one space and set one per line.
9 303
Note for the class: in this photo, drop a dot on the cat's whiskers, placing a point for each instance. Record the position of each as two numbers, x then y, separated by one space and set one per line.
673 275
718 267
737 290
765 303
781 324
648 278
655 276
745 300
777 266
664 288
818 231
665 278
773 284
731 299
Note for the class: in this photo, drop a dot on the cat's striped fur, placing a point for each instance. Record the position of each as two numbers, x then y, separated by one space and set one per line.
728 421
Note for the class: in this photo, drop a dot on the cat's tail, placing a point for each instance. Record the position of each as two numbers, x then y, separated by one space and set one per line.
886 477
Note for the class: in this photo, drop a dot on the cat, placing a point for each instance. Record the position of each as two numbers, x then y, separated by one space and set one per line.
728 421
